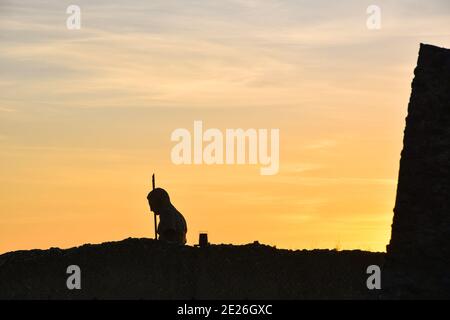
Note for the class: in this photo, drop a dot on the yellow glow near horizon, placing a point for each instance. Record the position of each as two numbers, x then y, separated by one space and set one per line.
86 117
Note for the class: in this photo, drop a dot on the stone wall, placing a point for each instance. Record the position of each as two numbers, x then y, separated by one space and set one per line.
149 269
418 256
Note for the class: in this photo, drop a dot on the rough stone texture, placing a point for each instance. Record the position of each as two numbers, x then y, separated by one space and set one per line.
148 269
418 256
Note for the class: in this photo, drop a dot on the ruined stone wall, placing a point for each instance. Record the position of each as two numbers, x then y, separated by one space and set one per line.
149 269
418 256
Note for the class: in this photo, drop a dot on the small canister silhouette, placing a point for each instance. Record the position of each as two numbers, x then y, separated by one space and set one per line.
203 239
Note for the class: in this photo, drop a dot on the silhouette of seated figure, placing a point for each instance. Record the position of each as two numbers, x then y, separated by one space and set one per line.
172 226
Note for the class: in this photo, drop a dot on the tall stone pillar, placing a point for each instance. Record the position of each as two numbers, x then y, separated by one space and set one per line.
418 255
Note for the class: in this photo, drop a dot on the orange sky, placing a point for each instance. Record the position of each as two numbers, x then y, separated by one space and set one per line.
86 117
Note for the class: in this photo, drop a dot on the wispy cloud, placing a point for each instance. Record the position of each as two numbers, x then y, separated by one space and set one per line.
4 109
179 53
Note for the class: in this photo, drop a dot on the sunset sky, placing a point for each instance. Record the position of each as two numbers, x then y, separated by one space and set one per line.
86 117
